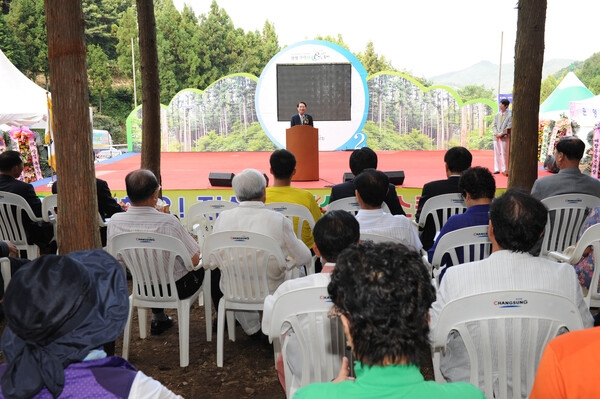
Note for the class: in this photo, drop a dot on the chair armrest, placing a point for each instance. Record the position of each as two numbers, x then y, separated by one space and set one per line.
561 257
425 259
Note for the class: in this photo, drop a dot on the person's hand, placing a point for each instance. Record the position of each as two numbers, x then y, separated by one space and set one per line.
12 248
344 373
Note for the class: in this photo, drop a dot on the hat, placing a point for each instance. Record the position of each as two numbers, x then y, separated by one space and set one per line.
58 308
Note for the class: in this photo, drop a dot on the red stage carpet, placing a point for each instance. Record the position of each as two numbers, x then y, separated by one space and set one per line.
185 175
190 170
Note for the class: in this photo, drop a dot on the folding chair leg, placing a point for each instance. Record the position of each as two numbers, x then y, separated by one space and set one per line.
127 332
142 322
207 304
220 331
183 318
231 325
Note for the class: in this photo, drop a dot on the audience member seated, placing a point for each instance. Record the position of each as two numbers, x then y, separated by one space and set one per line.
569 179
517 220
283 167
456 160
335 231
38 233
585 267
143 217
371 188
567 366
370 283
107 205
60 310
251 215
361 159
478 188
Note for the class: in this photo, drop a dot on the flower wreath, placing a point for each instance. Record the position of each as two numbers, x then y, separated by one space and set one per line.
562 128
24 141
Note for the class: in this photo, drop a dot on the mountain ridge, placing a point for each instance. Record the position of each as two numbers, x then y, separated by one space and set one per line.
486 73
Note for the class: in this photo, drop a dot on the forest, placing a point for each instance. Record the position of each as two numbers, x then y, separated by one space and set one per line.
208 70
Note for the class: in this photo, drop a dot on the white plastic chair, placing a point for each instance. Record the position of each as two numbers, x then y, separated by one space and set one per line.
350 204
441 207
505 333
473 242
321 340
589 237
201 216
49 214
200 219
377 238
6 272
12 207
243 258
49 204
566 214
299 215
150 258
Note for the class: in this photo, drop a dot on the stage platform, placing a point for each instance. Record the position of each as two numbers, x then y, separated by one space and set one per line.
185 175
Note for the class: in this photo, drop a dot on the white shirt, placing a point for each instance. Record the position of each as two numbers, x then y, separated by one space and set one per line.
376 221
503 270
146 219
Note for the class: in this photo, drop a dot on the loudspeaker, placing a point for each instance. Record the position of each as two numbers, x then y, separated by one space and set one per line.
396 177
220 179
348 176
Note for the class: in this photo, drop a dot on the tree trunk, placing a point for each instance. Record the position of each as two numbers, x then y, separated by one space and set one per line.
77 202
150 88
529 57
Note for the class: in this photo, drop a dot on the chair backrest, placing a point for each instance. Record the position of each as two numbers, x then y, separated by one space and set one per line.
350 204
201 216
49 205
244 259
505 333
320 339
566 214
377 238
49 212
441 207
12 207
150 258
590 236
299 214
463 245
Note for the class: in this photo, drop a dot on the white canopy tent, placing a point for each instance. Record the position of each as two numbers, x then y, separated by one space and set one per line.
557 103
23 103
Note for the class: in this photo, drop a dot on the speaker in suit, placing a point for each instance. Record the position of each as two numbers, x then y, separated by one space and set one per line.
296 120
301 118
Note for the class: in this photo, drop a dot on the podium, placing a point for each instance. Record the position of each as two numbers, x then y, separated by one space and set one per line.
303 142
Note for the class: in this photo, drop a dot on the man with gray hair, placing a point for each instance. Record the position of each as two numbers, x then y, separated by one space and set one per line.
252 216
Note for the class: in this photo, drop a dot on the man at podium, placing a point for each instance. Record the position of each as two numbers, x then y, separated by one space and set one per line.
301 118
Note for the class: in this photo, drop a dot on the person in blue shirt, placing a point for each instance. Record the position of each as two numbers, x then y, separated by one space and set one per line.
478 188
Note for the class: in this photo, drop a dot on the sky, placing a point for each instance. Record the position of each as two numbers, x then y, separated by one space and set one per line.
424 37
